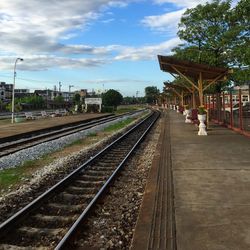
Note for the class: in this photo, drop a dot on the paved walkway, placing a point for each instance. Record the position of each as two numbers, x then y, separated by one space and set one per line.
211 190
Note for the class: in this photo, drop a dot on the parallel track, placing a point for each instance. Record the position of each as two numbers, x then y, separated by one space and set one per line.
52 219
33 139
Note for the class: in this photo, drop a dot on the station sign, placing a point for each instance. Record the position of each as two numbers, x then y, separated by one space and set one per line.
97 101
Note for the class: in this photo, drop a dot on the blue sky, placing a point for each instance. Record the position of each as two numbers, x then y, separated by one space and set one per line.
98 44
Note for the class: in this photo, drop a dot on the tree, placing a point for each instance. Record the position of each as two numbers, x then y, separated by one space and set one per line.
34 101
241 50
77 98
217 35
133 100
59 100
17 107
151 94
209 28
112 98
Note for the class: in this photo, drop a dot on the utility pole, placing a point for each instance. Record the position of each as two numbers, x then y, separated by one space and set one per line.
60 85
47 98
13 90
70 86
136 94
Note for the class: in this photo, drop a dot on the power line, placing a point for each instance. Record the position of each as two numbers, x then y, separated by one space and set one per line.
33 80
27 79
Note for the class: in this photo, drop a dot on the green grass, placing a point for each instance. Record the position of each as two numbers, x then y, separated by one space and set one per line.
80 141
125 110
77 142
93 134
9 178
12 176
118 125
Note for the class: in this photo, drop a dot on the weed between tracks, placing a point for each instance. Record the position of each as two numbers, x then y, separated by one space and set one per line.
119 125
13 177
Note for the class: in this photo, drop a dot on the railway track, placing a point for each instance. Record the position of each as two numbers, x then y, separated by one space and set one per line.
15 144
51 220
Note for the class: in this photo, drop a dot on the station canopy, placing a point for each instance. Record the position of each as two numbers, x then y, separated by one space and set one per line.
169 85
190 69
198 76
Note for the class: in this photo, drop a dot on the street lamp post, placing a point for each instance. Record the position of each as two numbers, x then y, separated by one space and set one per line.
70 86
13 90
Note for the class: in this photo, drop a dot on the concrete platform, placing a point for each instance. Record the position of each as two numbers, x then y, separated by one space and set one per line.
8 129
210 194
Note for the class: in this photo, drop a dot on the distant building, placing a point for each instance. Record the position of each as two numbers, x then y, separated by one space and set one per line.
45 94
83 92
22 91
50 95
5 91
245 97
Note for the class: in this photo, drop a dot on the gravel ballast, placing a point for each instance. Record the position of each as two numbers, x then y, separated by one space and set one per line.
114 222
38 151
113 225
47 176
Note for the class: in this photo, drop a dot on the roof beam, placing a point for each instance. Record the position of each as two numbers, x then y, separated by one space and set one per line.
185 77
214 80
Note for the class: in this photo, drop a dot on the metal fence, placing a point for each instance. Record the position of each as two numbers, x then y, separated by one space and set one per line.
231 109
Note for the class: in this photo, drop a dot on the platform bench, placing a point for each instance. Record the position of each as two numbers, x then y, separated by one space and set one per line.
29 116
44 114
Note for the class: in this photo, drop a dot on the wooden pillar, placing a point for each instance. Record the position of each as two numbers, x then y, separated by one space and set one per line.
240 111
223 106
231 109
182 98
200 87
193 98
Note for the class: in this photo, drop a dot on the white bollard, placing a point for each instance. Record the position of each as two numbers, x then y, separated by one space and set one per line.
202 126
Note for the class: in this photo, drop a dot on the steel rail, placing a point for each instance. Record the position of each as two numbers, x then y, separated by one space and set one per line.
68 236
10 223
44 130
12 147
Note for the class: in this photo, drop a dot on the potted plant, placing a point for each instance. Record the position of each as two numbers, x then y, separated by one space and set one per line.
202 110
202 113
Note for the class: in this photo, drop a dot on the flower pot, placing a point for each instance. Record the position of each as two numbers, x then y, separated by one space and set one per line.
202 126
202 117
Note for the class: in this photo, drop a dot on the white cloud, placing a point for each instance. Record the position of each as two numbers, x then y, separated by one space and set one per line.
181 3
168 22
36 30
118 80
37 26
45 62
147 52
108 20
164 23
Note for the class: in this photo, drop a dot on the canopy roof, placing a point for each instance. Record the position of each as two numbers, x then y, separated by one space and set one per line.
190 69
175 86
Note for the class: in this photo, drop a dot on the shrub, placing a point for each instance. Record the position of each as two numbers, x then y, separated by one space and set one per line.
201 110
